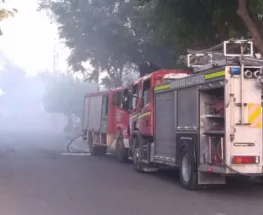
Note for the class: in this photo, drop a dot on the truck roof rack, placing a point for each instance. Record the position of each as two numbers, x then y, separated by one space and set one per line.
230 52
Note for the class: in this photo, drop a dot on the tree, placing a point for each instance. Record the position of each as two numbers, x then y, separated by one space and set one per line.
203 23
5 12
111 34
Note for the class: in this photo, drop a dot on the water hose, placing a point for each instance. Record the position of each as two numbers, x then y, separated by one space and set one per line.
71 142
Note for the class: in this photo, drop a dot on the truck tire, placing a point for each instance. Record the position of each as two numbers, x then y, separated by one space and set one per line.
95 150
90 144
188 171
136 155
98 151
122 152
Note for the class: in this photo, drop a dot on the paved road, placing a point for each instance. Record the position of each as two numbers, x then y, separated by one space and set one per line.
36 180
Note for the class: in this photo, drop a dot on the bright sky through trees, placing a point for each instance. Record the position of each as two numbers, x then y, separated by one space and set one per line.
28 39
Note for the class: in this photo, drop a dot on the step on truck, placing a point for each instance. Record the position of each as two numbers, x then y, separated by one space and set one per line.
208 124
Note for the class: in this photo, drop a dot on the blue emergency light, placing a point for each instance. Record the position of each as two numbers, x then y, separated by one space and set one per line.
235 71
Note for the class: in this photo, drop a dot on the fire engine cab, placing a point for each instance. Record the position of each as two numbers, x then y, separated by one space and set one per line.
141 121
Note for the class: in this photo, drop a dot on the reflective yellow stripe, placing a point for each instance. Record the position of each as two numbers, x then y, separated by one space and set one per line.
162 87
134 116
214 75
254 115
144 114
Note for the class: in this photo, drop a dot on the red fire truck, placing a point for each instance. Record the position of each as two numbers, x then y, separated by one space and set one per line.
107 114
208 124
141 124
198 123
105 123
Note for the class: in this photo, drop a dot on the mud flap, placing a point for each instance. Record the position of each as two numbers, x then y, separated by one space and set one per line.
205 178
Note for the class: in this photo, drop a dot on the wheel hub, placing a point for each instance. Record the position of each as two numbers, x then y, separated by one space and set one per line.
136 156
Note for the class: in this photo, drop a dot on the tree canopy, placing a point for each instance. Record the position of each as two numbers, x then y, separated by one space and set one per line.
114 36
6 12
204 23
111 34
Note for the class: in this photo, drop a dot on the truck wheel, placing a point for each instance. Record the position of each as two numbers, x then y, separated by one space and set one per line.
98 151
92 149
188 173
121 151
101 151
95 150
137 155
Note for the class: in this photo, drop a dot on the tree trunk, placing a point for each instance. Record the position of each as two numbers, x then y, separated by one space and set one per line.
250 24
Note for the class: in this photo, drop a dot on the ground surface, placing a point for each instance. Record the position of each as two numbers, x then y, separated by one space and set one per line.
35 179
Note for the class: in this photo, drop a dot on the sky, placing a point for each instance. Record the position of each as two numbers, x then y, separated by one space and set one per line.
29 39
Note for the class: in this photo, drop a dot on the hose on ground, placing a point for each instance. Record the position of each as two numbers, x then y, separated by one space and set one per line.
71 142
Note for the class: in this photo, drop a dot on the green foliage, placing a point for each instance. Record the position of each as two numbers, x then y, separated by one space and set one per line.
65 94
115 35
200 23
195 24
5 12
112 35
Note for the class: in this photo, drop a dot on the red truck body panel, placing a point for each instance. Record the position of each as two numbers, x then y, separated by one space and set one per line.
142 118
116 117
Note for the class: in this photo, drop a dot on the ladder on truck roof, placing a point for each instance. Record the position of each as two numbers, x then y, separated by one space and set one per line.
230 52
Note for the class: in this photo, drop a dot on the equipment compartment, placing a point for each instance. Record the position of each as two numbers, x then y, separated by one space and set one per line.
165 127
94 113
212 125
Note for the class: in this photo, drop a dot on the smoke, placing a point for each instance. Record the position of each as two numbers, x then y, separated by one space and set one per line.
21 104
